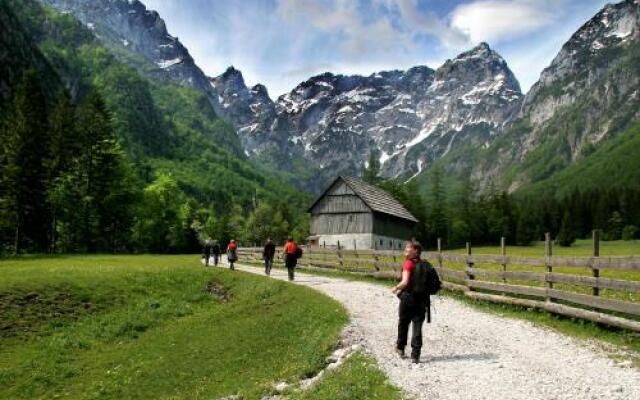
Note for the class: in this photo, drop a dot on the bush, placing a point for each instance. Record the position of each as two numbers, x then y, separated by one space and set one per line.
629 232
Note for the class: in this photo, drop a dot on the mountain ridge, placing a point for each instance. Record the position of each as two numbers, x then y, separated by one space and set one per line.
410 119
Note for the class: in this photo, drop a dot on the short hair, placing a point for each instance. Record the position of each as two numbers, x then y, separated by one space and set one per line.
414 244
290 239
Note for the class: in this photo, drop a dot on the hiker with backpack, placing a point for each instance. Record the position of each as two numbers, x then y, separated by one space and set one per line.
419 281
268 252
291 253
206 252
232 253
215 251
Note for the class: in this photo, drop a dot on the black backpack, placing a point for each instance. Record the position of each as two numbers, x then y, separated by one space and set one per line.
425 279
298 252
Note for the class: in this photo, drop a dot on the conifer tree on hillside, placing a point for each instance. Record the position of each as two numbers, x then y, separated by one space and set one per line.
25 143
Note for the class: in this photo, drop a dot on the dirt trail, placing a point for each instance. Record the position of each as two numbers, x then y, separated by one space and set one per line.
469 354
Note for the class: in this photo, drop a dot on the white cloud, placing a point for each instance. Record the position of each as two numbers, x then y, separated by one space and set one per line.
428 23
498 20
343 21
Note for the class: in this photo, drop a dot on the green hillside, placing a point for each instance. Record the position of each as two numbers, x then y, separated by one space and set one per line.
164 131
615 163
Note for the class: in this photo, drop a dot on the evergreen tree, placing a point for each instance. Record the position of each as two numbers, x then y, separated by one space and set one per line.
371 170
62 149
437 223
23 158
94 198
566 235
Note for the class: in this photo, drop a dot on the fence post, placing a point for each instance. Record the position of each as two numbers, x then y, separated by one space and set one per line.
339 256
548 253
596 253
470 275
439 253
503 253
376 259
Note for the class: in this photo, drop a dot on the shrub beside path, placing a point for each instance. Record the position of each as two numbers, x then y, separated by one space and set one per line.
470 354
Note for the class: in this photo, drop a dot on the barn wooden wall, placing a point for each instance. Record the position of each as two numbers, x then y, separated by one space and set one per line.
341 223
341 211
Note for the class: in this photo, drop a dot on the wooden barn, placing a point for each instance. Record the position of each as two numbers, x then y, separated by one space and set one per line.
359 215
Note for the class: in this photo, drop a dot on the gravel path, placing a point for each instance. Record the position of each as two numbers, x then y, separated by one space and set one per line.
469 354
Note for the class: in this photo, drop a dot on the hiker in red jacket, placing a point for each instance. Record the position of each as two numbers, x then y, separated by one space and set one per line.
232 253
412 308
290 253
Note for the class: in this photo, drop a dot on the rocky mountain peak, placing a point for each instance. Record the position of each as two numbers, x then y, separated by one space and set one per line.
232 73
478 65
576 67
260 93
130 25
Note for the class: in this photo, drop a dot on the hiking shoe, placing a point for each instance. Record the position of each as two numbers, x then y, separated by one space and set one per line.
415 360
400 352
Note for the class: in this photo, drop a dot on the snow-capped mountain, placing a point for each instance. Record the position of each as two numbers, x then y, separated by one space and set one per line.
612 29
408 118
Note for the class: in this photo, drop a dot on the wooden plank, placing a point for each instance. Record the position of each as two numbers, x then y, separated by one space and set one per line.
596 302
593 316
619 284
519 275
596 253
561 309
599 282
455 287
502 287
325 264
387 274
622 263
494 298
452 273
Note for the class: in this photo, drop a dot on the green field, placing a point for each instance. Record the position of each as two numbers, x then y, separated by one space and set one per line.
156 327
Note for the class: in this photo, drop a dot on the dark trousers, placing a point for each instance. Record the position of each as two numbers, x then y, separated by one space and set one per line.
268 263
206 259
411 311
215 260
290 262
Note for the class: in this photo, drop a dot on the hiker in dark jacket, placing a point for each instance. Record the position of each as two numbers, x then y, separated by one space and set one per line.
268 253
413 307
206 252
216 251
290 254
232 253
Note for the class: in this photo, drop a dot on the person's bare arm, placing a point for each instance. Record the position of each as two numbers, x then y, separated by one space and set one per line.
403 283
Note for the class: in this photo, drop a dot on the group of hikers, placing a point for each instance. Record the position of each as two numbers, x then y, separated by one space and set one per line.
291 252
418 283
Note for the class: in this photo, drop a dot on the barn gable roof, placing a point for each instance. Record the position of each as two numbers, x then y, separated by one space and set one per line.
377 199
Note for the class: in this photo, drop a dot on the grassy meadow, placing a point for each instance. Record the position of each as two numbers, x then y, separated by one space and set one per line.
156 327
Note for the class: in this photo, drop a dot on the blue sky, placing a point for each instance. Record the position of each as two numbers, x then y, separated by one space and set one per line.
282 42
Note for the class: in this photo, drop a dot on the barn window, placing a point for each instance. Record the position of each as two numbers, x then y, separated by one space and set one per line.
381 243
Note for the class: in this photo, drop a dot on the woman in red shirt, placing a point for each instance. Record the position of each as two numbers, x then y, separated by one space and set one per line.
412 310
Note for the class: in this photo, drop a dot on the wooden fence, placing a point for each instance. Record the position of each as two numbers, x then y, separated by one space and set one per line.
570 286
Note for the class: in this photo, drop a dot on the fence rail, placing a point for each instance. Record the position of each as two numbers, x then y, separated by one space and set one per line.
543 289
